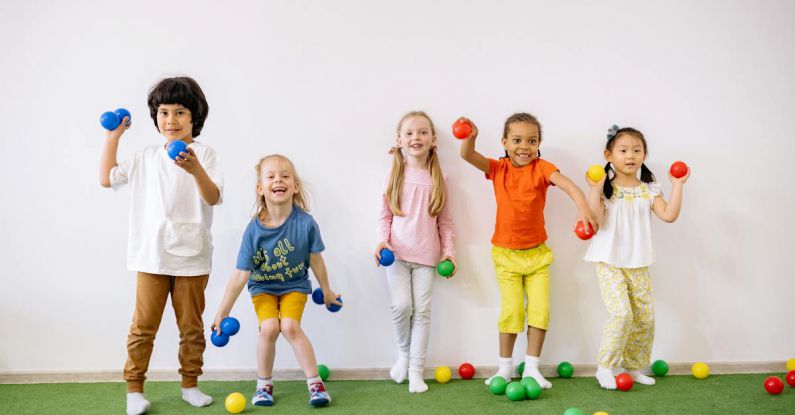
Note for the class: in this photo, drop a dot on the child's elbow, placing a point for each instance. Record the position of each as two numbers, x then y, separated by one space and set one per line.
104 182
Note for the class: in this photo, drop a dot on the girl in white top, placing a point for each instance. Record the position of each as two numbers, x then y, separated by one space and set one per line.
623 251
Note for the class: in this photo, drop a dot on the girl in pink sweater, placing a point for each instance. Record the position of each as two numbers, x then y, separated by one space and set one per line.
416 224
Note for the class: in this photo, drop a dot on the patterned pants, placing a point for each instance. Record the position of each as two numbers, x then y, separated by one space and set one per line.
628 334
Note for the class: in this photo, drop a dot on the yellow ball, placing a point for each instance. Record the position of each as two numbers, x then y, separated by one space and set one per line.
596 172
700 370
235 403
442 374
790 365
601 413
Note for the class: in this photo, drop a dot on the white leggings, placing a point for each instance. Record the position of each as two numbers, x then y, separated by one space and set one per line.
410 289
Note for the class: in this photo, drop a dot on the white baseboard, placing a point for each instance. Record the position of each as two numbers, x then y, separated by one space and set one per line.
676 368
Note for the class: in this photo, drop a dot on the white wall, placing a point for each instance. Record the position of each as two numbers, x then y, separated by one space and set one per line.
708 82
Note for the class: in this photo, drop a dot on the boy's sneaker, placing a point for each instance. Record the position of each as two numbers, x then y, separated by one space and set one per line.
318 395
263 397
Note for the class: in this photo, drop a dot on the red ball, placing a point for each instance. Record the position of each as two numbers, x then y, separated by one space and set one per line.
462 129
791 378
624 382
580 231
679 169
774 385
466 371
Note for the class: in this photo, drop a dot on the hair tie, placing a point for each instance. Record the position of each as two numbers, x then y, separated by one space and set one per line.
611 132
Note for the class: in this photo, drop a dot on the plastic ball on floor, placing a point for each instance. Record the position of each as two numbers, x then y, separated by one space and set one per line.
565 370
700 370
580 231
466 371
791 378
445 268
515 391
461 129
235 403
679 169
573 411
774 385
520 369
624 382
387 257
175 147
109 120
442 374
497 385
230 326
596 172
790 364
219 340
601 413
531 388
317 296
659 367
323 371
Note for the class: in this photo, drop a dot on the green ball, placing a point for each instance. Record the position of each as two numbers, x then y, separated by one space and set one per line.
659 367
531 388
497 385
572 411
520 369
515 391
323 371
445 268
565 370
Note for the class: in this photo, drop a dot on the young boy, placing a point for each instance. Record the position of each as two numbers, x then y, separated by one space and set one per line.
169 242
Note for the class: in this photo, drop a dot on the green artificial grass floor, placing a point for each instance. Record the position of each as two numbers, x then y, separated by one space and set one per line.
718 394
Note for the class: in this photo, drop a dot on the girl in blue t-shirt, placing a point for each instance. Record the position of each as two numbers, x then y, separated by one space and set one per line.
279 246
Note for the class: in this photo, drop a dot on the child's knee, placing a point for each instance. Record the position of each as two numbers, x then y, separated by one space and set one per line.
290 328
269 329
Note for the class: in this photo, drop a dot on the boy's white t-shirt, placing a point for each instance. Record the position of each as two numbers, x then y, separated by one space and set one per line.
169 222
624 240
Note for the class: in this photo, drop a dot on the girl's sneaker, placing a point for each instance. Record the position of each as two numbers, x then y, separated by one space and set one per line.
318 395
263 397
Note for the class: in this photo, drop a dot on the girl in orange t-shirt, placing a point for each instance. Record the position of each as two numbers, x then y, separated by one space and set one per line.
521 258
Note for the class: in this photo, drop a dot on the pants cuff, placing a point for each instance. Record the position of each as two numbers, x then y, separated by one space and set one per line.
189 382
135 386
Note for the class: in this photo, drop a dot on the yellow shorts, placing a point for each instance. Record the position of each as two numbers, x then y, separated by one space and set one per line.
523 272
290 305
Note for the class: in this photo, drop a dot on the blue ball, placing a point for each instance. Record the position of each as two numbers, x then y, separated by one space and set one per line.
121 113
230 326
219 340
333 307
387 257
175 147
317 295
109 120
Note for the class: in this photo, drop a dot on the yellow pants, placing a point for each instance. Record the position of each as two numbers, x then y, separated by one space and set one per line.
523 272
628 334
290 305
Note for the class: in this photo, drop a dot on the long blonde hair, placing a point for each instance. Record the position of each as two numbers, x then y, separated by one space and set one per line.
395 186
300 198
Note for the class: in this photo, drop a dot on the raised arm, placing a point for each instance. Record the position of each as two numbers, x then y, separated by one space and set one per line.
669 212
108 159
595 195
468 151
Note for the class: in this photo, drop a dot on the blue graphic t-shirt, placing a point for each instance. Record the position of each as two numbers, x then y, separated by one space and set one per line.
278 258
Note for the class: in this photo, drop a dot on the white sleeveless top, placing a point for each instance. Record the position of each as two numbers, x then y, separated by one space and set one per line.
624 240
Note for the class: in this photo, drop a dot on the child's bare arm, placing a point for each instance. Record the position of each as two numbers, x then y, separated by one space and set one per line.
669 212
584 213
469 153
318 266
235 285
108 159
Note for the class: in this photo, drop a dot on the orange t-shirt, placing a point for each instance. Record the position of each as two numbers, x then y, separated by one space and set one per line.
521 193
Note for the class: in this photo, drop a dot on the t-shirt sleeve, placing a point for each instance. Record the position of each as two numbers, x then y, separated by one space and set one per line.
493 166
212 166
120 174
315 241
245 255
547 169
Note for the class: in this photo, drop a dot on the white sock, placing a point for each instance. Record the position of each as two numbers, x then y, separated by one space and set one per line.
531 370
400 369
416 382
136 403
605 378
504 369
262 382
641 378
310 381
195 397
